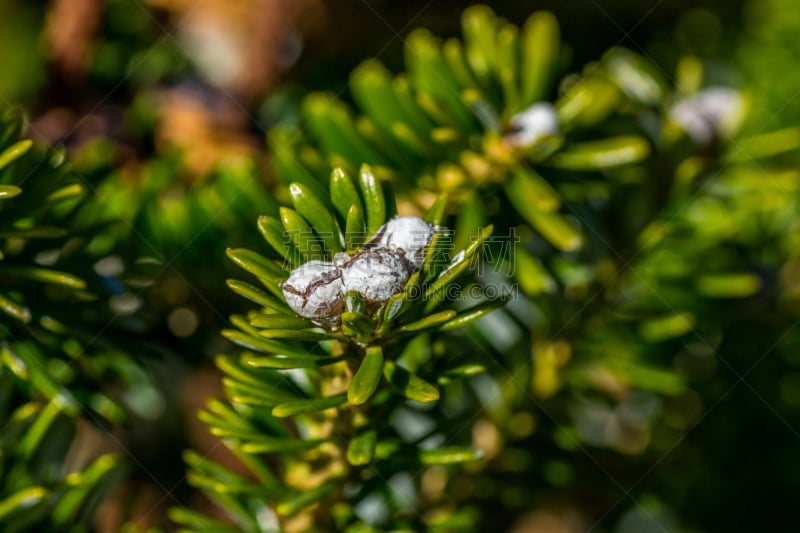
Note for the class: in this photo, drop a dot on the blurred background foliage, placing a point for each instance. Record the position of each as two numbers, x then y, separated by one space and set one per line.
646 382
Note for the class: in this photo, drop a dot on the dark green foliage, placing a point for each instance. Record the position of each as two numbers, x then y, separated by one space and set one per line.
329 423
766 47
59 366
448 123
607 341
674 253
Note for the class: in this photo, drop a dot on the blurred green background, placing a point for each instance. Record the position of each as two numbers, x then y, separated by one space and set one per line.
171 101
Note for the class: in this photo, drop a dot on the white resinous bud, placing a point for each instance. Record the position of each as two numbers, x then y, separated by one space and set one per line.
340 259
314 291
375 273
380 270
708 114
528 126
408 236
